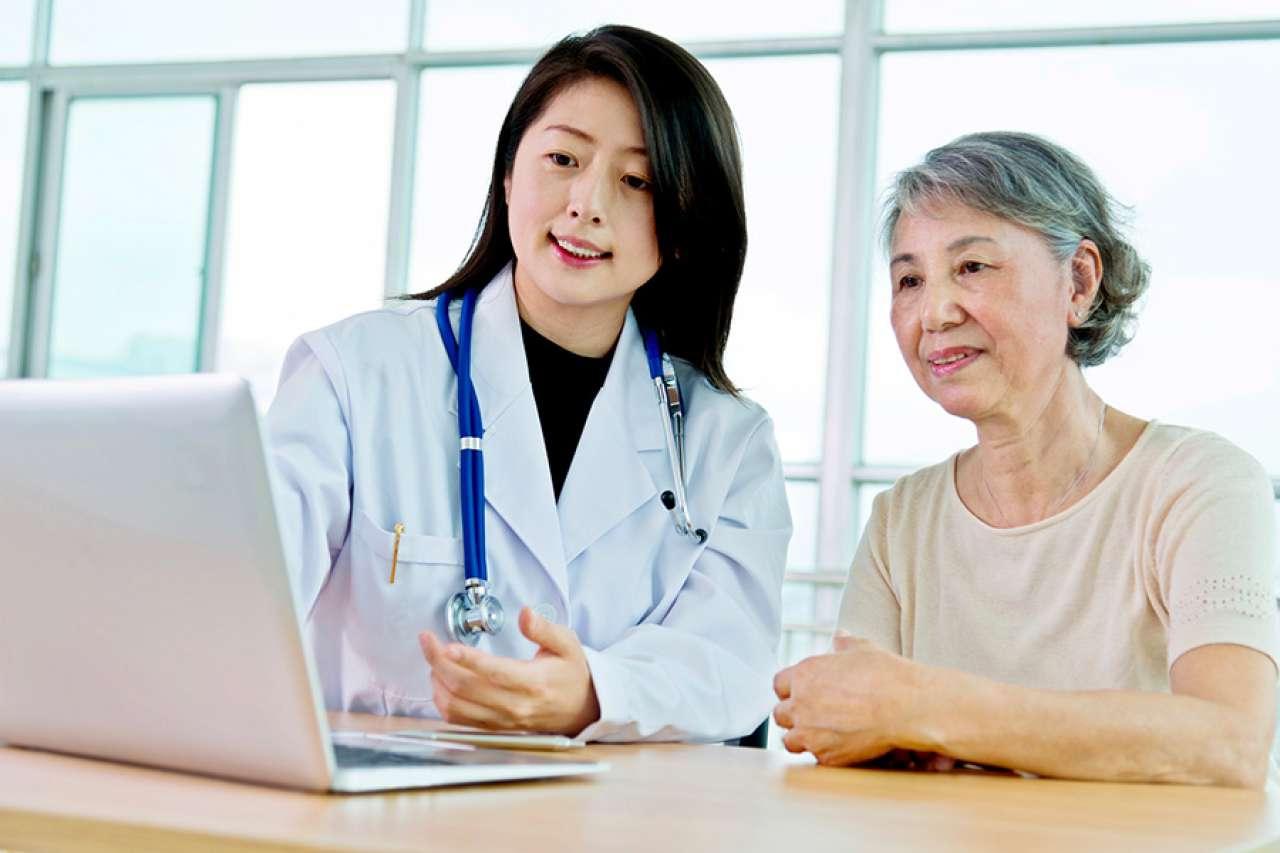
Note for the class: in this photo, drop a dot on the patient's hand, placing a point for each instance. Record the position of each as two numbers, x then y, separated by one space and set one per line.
910 759
551 693
855 705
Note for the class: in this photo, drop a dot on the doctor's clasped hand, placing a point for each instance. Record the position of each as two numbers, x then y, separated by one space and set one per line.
551 693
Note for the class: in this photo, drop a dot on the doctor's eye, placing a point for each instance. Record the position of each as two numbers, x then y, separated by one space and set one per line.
560 158
636 182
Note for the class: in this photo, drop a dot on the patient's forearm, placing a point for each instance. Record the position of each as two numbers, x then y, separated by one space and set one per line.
1106 735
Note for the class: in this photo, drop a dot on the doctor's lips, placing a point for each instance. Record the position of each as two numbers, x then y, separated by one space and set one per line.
578 253
943 362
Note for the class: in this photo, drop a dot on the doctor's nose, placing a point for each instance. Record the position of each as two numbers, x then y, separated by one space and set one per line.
586 200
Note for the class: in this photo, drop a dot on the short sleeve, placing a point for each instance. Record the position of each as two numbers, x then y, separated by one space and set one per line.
870 609
1215 550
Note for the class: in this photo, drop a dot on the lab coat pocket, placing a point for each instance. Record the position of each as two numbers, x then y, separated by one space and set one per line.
390 615
414 548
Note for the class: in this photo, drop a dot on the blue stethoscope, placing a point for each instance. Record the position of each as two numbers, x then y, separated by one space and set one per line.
474 611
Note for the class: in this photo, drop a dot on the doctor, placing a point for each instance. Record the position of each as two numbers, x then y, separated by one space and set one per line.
614 216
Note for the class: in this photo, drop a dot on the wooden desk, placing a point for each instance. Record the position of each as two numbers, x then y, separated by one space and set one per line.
655 797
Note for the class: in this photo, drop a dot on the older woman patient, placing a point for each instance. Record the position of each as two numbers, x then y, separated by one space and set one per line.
1082 594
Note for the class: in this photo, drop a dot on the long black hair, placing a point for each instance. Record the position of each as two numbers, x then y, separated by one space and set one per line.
698 210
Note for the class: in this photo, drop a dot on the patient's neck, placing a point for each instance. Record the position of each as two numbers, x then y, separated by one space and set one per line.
1038 455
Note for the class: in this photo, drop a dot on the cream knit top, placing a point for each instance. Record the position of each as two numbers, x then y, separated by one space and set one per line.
1176 548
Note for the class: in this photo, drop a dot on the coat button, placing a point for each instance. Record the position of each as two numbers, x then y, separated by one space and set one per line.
547 611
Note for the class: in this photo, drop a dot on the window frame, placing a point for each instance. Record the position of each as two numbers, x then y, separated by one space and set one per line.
839 472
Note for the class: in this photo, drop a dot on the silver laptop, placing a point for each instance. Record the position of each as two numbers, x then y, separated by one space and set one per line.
146 613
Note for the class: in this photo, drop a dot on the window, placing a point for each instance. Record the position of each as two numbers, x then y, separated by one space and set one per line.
464 25
110 31
307 229
17 32
131 236
1205 350
461 112
778 347
13 137
312 229
919 16
803 500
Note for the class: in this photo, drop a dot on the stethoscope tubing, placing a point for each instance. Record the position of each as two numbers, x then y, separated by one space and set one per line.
663 374
470 433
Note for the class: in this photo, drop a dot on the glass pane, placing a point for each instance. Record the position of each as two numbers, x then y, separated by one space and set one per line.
778 348
801 599
306 238
131 242
802 496
784 293
932 16
13 137
1278 514
1276 579
1205 350
866 497
797 602
18 31
461 112
94 31
464 25
797 645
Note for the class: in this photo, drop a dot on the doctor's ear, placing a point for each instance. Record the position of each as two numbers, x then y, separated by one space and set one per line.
506 189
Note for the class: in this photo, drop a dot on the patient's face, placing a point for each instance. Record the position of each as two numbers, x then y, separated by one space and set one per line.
980 310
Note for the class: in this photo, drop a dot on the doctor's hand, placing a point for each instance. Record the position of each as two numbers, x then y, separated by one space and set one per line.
856 705
551 693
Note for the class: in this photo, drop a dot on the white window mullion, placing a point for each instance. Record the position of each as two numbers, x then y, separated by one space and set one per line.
854 224
216 245
403 157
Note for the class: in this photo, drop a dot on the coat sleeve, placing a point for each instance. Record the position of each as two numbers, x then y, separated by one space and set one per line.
310 453
704 672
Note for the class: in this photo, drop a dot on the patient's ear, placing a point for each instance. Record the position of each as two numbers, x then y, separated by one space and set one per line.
1086 278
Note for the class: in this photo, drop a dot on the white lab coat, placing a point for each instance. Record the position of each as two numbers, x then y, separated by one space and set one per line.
681 638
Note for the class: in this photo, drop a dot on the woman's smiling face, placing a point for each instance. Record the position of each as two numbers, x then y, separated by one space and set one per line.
980 309
580 201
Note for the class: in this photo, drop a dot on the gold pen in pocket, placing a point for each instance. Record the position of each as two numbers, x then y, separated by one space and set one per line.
395 549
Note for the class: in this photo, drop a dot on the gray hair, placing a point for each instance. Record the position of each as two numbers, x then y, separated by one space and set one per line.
1034 183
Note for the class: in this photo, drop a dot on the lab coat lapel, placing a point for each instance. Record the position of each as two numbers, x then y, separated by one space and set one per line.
517 478
608 480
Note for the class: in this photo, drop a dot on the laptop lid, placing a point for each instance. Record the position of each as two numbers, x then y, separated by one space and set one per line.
146 613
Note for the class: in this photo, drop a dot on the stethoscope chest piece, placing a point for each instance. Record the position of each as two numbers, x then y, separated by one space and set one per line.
473 612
